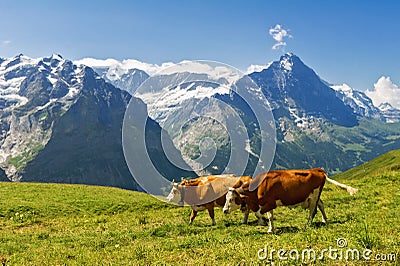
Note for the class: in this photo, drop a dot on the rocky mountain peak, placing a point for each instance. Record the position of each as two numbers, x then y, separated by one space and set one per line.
390 113
292 86
288 60
385 106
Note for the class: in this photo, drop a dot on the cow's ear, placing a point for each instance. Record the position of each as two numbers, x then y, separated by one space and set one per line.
238 184
173 181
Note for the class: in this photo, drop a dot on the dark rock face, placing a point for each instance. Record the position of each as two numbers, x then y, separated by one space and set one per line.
3 176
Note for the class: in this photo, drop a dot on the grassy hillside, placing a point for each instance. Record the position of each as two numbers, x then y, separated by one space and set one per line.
47 224
388 162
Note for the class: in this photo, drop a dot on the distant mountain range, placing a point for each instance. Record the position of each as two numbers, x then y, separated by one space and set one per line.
129 74
61 121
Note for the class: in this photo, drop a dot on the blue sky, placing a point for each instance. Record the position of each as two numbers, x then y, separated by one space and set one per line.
353 42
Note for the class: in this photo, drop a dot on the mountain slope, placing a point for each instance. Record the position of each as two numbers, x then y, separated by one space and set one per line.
85 146
388 162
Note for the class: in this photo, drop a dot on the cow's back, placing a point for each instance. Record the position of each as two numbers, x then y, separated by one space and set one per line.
214 190
290 187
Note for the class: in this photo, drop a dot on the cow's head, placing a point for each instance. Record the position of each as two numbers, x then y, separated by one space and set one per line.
175 193
233 201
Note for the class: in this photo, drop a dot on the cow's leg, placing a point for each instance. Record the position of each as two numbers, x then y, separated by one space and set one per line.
314 198
192 216
211 213
260 217
322 209
313 211
270 216
267 208
246 216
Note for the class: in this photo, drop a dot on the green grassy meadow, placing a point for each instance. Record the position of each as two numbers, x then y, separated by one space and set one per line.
53 224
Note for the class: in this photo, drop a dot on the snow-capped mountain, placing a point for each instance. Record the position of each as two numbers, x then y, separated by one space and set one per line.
128 81
61 122
360 103
33 92
129 74
390 114
13 72
126 74
295 90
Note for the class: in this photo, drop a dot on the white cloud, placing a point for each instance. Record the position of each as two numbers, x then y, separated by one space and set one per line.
5 42
279 34
385 91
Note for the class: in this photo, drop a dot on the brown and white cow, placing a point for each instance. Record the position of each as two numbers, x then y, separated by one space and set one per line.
283 188
204 193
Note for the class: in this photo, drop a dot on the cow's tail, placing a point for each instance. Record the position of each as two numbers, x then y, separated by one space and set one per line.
349 189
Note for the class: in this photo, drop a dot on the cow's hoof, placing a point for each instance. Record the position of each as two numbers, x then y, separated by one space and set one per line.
262 223
270 231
